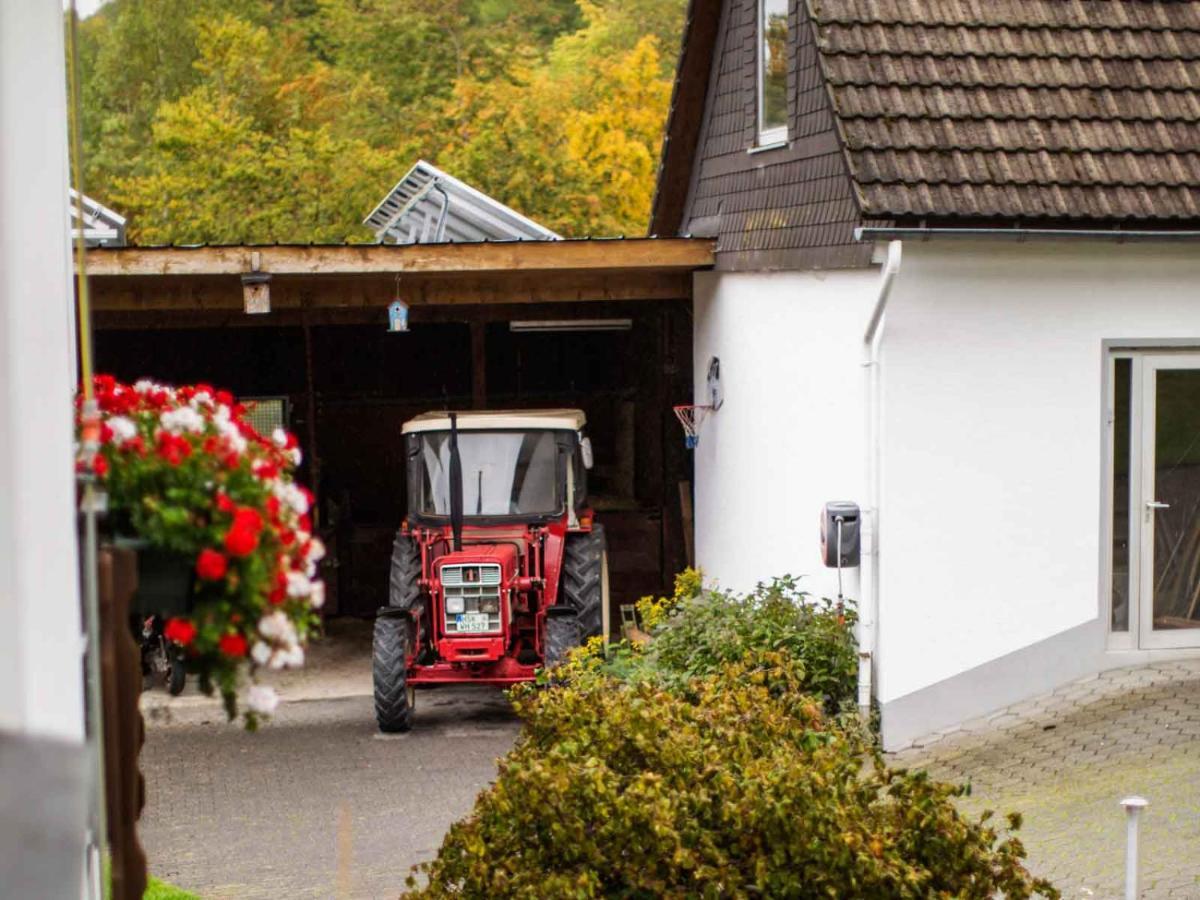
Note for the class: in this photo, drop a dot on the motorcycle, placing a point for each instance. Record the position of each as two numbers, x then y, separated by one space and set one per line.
162 661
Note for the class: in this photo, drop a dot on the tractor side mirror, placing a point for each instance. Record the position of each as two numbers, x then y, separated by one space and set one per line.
585 452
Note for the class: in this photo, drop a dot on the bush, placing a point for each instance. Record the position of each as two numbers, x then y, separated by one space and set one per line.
698 632
739 786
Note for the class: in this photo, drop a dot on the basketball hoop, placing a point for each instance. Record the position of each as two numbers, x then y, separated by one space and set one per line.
691 418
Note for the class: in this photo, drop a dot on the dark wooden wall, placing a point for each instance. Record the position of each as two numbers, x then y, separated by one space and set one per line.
367 382
791 207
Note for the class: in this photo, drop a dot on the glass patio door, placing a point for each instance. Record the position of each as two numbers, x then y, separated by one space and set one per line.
1168 573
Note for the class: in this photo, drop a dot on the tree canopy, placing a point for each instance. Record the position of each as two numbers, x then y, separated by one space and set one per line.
287 120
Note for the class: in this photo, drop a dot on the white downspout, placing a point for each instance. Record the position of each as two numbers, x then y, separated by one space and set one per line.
868 621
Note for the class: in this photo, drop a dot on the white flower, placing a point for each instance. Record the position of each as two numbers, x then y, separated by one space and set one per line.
279 436
145 386
232 436
260 653
291 495
287 657
177 421
316 550
317 598
262 699
298 584
123 429
276 626
201 397
297 456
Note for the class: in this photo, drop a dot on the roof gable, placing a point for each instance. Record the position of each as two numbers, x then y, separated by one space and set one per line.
1082 110
1067 109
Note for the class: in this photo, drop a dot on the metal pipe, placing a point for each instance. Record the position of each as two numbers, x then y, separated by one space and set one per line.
869 587
863 233
439 233
1133 810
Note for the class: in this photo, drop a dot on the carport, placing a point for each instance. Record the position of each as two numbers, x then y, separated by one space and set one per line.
604 325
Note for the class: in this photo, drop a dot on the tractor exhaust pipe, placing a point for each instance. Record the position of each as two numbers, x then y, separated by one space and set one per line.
456 485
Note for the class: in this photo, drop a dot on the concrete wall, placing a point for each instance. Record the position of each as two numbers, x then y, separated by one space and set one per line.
990 512
790 434
41 691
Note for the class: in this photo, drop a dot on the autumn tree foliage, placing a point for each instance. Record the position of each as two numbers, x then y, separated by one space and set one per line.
287 120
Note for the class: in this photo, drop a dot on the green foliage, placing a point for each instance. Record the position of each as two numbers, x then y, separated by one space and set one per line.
738 787
287 120
160 890
699 632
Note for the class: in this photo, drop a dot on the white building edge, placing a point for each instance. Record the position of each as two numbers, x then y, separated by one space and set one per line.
1009 393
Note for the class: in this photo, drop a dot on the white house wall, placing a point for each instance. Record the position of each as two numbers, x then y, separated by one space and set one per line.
790 433
990 513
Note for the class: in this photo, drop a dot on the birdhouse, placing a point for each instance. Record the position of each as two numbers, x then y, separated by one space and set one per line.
398 316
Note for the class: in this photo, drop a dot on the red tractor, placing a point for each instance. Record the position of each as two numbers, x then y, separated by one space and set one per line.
499 568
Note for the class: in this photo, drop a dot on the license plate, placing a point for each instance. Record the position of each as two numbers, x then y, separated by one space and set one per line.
472 621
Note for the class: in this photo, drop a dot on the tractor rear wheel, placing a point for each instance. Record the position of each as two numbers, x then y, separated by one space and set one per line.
585 580
394 697
405 588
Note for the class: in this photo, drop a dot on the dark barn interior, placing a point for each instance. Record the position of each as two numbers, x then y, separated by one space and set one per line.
350 384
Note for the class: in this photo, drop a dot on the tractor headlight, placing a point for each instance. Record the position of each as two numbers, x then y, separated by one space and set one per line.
455 605
489 604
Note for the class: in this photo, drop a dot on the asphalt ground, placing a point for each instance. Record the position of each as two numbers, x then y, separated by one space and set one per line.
317 803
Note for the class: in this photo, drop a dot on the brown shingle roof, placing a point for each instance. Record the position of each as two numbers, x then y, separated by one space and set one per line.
1017 108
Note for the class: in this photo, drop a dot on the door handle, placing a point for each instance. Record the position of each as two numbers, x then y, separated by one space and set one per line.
1155 504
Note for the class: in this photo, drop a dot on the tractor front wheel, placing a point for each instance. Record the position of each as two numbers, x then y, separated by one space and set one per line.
585 581
394 697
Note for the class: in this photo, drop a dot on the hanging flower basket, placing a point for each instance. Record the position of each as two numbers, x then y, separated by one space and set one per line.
225 542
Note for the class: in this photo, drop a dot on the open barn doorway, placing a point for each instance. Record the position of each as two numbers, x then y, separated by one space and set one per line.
347 387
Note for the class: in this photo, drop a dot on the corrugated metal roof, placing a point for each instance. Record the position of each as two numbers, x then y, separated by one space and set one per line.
428 205
101 226
1085 109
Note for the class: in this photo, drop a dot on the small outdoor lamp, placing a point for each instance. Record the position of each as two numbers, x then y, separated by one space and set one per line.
256 293
398 315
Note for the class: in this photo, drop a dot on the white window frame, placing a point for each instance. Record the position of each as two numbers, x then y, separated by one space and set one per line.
767 137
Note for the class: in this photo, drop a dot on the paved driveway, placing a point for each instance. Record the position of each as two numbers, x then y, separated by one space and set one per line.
317 803
1066 759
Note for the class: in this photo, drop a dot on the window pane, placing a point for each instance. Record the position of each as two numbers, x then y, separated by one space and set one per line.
773 60
504 473
1122 389
1177 487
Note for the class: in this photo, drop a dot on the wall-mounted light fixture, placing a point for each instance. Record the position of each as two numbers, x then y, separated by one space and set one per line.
550 325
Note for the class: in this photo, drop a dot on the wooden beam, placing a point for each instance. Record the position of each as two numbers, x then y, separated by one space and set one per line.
347 259
174 293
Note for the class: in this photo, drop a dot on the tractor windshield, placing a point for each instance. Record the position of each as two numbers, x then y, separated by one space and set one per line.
505 473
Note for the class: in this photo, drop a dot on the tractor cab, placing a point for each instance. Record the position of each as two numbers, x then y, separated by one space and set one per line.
499 567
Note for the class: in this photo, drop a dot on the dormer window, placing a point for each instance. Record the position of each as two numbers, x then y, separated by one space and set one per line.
772 71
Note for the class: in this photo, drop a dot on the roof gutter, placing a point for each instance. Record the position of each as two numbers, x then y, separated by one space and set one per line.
1024 234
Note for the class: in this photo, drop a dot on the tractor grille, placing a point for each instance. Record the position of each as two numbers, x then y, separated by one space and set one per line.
473 583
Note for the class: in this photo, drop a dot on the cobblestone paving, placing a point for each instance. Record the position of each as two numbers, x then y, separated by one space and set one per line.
317 804
1066 759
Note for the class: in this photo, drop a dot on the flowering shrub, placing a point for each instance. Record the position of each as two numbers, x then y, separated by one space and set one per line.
185 470
740 786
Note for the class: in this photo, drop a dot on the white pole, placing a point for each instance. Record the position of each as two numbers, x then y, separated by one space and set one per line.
1133 810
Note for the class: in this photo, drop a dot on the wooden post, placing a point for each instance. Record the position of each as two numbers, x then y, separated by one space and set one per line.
310 399
124 732
479 365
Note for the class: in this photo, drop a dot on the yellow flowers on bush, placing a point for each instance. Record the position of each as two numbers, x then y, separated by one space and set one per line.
740 787
706 763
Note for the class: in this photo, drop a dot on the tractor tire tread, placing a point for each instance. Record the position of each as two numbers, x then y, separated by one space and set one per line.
393 711
582 579
404 585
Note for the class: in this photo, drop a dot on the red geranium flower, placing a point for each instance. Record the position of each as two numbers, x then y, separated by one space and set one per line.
100 466
211 565
224 504
179 631
249 519
232 645
241 541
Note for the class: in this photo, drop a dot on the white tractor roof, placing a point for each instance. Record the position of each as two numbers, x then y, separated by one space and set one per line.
500 420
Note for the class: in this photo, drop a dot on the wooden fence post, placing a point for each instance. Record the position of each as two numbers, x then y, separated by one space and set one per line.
124 732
